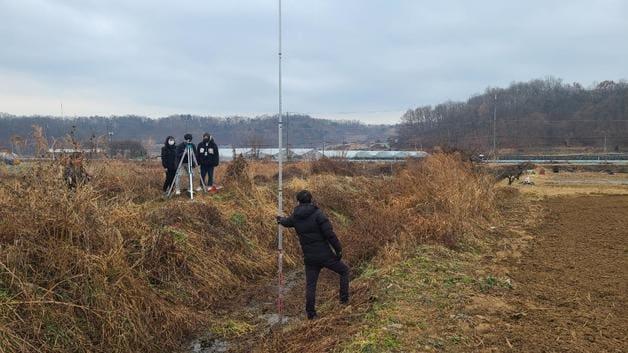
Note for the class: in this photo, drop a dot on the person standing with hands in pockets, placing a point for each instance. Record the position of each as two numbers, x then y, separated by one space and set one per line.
169 161
208 158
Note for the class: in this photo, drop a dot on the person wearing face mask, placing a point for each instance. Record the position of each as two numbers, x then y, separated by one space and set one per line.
208 159
169 160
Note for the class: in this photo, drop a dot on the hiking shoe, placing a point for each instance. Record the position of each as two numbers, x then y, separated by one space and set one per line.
199 188
312 317
178 192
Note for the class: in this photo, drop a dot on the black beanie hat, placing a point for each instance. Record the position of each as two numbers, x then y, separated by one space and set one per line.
304 196
187 136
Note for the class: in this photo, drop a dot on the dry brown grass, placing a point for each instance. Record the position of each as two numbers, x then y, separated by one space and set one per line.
333 166
111 267
441 199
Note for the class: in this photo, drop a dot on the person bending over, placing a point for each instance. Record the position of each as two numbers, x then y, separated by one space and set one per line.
321 248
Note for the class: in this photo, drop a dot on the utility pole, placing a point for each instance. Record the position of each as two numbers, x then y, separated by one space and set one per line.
280 279
109 138
495 128
109 132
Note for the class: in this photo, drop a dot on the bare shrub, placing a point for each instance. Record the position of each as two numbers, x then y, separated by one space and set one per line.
292 171
237 172
333 166
512 172
41 143
261 179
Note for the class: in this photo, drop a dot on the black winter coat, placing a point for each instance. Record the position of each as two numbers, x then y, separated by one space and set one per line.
169 156
181 150
316 235
207 153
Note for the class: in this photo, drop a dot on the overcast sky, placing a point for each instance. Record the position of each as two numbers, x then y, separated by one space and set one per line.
356 59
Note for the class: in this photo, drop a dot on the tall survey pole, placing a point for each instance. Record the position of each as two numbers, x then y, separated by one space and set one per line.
280 280
288 137
495 128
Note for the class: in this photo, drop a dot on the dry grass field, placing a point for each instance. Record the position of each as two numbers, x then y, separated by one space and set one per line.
550 276
571 183
443 260
113 267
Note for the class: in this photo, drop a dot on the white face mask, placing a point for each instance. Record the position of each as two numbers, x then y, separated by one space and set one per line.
171 142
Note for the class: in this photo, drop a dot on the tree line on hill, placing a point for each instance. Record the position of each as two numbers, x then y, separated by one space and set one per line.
300 130
527 115
524 116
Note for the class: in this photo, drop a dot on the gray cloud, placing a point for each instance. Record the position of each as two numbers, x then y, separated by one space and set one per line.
219 57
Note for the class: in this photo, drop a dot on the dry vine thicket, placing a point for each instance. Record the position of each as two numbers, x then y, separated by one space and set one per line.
112 267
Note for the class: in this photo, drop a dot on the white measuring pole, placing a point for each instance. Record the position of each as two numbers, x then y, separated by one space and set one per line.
190 154
280 281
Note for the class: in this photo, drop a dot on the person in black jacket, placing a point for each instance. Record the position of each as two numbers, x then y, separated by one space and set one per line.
187 139
169 160
208 158
321 248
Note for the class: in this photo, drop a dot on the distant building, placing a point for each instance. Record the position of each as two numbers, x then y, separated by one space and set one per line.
256 153
74 150
378 146
385 155
92 152
312 155
291 155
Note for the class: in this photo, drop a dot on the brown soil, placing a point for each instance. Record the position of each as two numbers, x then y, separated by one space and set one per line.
570 285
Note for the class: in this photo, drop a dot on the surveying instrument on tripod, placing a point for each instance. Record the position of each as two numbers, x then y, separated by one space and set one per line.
187 162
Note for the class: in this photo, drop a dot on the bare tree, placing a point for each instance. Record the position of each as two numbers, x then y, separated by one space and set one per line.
255 142
41 143
18 143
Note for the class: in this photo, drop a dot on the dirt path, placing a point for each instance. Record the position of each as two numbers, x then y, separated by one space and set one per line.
571 284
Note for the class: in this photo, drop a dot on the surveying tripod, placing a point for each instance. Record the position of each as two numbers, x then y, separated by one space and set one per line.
191 162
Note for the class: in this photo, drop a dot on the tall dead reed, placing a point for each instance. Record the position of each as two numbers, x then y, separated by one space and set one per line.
112 267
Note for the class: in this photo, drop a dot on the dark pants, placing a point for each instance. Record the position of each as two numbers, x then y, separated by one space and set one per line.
207 170
311 278
170 173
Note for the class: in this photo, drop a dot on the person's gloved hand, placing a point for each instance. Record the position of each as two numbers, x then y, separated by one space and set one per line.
278 218
339 254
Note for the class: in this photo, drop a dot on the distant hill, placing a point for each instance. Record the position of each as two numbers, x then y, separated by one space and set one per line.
537 114
301 130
